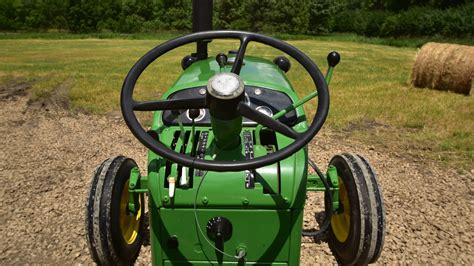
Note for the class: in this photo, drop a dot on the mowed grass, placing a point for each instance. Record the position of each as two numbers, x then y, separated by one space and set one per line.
371 98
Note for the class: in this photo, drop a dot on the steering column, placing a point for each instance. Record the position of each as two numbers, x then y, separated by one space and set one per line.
225 92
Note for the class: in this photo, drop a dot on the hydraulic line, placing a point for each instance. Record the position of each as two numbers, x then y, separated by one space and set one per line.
327 219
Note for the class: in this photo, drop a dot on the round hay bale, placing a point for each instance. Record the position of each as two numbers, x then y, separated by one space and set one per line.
442 66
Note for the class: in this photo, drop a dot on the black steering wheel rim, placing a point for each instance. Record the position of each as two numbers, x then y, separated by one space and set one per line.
127 102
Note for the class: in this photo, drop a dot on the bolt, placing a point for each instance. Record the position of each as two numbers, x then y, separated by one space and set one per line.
258 92
241 251
202 91
205 201
198 248
286 200
245 201
165 199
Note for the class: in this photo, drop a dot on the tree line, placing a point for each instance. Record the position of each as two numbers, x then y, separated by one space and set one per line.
385 18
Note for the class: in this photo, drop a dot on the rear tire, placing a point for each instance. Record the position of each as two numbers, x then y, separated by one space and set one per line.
357 230
113 234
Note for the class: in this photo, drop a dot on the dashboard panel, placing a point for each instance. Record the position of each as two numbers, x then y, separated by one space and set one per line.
265 100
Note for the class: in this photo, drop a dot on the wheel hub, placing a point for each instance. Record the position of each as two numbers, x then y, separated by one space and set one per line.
129 223
341 221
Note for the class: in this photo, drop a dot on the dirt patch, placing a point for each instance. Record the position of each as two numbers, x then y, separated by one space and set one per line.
364 124
47 160
14 89
57 99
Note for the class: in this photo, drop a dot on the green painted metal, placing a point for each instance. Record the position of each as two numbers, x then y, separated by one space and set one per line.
227 133
333 178
137 184
314 183
267 219
255 72
265 242
281 193
174 263
328 76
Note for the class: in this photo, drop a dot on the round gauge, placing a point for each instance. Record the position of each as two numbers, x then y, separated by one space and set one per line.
201 115
225 86
265 110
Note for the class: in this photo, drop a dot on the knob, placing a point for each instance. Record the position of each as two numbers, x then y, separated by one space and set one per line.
219 229
221 59
333 58
173 242
187 61
194 113
283 63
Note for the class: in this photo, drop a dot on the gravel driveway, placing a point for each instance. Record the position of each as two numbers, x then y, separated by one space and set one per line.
48 155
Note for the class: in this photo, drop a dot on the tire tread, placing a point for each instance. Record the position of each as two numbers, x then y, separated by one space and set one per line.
365 246
102 245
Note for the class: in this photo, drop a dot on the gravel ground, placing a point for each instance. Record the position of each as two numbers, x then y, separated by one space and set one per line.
48 156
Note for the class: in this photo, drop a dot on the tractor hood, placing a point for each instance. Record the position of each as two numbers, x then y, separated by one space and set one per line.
255 72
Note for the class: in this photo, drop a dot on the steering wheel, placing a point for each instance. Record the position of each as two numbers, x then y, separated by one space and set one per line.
129 105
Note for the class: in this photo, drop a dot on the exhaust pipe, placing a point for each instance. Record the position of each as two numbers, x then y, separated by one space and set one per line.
202 21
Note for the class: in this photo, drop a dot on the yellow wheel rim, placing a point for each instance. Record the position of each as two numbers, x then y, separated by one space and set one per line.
129 223
340 222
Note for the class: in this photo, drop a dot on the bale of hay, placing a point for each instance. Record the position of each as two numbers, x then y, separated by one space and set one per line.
442 66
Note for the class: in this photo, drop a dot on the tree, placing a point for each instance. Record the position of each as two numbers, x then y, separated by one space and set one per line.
321 15
8 14
227 12
291 16
83 16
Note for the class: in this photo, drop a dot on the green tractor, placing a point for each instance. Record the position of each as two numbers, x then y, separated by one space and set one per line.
228 165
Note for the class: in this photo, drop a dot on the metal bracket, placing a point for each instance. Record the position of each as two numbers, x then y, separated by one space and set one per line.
333 178
314 183
137 184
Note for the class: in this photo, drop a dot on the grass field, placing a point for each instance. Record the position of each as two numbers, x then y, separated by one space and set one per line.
347 37
370 94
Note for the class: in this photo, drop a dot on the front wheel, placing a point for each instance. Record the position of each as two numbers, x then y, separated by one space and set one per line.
357 230
114 234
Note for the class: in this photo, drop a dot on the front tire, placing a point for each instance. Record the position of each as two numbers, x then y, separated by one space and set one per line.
113 234
357 230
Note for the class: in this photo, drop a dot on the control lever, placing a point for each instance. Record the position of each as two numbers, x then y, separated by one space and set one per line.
333 59
172 186
183 179
219 229
221 60
193 114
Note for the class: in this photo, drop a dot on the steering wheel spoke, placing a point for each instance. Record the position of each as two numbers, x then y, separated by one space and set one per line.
190 103
267 121
239 58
